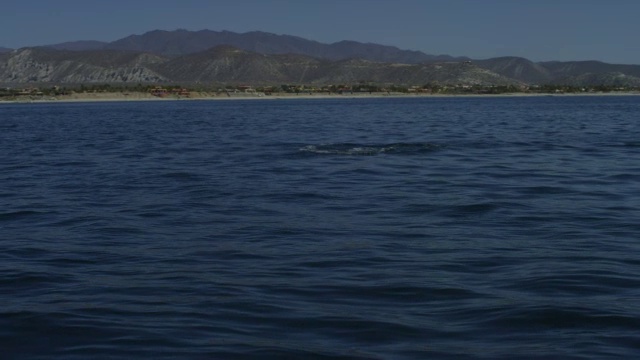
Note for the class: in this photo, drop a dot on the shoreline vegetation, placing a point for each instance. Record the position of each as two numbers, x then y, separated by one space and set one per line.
99 93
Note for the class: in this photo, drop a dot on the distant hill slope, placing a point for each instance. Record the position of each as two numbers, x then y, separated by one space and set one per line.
225 64
228 64
517 68
231 65
44 65
577 68
4 50
576 73
609 79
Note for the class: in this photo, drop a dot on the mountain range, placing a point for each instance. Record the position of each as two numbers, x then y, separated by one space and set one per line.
182 42
207 56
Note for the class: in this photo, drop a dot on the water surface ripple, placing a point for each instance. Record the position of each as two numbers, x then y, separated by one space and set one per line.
479 228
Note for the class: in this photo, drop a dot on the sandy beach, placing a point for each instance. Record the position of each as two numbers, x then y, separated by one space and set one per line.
143 96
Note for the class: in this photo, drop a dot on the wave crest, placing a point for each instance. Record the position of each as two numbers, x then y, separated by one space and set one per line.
370 149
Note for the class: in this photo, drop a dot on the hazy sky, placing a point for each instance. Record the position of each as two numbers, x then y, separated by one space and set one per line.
539 30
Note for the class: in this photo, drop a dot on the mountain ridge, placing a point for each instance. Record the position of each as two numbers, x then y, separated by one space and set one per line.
182 42
187 56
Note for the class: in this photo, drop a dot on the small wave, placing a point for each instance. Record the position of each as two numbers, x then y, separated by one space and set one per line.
29 280
184 176
558 317
18 214
370 149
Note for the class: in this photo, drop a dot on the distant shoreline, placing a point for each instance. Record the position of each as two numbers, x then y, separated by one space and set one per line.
202 96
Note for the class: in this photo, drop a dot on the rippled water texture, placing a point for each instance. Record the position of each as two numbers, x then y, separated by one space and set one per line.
454 228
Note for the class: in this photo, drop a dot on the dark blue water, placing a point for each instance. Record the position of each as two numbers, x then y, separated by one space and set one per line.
479 228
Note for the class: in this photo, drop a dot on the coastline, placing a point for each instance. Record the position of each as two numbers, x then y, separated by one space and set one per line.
210 96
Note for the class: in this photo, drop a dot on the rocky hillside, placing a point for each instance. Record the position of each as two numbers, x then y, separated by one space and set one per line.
225 64
574 73
574 69
231 65
608 79
517 68
41 65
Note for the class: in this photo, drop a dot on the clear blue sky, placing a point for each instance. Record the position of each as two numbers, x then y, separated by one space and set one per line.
539 30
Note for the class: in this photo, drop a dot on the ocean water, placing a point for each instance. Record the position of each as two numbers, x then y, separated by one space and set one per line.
431 228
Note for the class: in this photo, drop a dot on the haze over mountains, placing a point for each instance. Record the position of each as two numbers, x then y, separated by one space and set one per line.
263 58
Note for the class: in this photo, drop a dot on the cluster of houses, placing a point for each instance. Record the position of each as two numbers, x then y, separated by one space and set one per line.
30 91
361 87
159 91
